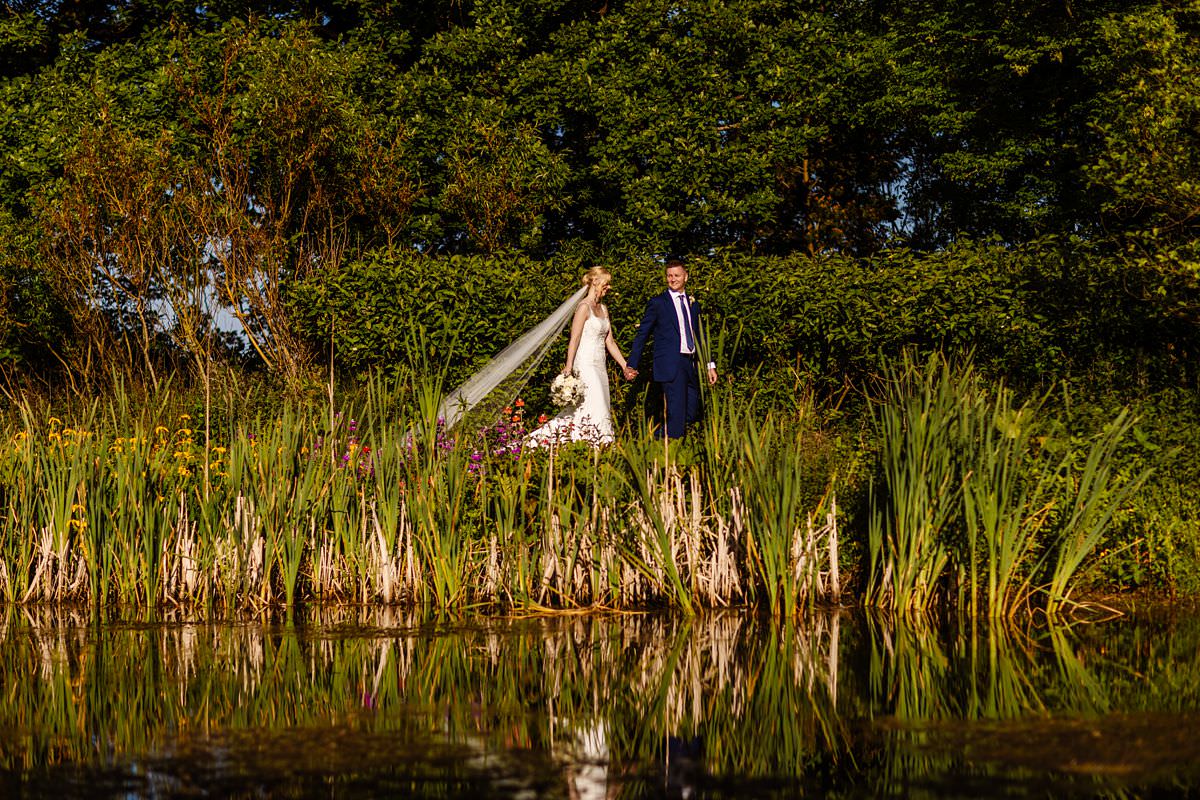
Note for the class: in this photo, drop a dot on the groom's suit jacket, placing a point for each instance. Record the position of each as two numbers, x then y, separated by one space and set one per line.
662 323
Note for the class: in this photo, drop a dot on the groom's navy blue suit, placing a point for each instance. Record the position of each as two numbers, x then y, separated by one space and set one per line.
677 373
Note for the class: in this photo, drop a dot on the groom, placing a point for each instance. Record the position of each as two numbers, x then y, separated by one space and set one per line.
673 320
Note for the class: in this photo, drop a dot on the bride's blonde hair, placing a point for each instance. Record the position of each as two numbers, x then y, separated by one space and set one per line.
597 275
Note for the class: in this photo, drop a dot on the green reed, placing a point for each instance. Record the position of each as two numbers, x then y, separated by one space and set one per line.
775 503
49 499
652 476
375 503
370 539
982 501
1007 498
437 507
506 496
18 490
132 507
1093 494
915 499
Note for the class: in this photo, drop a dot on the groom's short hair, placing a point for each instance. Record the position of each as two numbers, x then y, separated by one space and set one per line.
676 262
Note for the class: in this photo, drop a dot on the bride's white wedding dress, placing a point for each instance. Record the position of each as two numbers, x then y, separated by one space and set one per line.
590 421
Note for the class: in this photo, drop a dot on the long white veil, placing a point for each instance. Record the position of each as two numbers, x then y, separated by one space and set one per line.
514 363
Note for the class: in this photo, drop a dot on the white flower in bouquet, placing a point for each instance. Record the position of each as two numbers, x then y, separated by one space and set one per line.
566 390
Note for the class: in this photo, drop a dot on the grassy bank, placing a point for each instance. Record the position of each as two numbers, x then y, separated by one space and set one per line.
378 504
955 493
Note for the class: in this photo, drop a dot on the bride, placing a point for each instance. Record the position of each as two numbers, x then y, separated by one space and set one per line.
591 335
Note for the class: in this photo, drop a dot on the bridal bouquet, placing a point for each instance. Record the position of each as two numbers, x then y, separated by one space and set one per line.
566 390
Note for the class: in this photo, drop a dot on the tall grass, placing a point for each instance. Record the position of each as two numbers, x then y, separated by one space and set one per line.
981 501
376 503
918 489
978 501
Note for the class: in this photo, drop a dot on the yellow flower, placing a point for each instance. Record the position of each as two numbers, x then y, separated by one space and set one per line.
161 430
55 422
53 437
219 450
185 417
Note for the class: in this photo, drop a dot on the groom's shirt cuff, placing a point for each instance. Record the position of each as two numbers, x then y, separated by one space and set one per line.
712 365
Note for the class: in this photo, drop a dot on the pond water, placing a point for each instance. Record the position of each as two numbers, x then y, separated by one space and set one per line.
356 703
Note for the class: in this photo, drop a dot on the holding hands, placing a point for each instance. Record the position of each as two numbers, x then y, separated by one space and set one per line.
629 372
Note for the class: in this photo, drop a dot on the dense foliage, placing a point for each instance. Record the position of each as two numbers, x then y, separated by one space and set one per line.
168 167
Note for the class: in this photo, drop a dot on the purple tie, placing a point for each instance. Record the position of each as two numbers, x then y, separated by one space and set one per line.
687 324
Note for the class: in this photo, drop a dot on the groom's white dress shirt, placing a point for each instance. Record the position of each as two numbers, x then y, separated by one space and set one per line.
678 299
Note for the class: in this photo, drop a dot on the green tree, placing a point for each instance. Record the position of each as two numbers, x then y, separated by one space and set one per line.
1148 167
198 170
998 126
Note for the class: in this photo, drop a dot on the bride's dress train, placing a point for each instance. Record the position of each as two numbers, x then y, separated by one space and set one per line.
590 421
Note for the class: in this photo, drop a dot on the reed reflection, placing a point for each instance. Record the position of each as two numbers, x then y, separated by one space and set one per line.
584 706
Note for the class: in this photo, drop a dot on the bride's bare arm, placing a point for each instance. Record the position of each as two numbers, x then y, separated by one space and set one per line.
581 315
610 344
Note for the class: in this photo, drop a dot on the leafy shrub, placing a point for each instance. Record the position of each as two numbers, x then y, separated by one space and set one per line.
1155 541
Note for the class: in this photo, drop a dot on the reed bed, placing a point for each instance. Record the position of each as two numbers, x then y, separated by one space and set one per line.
380 505
984 503
977 502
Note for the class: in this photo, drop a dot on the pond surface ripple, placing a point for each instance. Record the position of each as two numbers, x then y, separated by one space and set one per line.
355 703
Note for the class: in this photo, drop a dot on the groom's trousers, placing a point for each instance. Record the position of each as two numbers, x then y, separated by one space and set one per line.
681 396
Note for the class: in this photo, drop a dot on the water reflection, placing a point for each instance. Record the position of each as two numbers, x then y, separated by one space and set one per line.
356 703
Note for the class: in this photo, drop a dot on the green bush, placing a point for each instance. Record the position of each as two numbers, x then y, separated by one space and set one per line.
1032 314
470 307
1155 541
